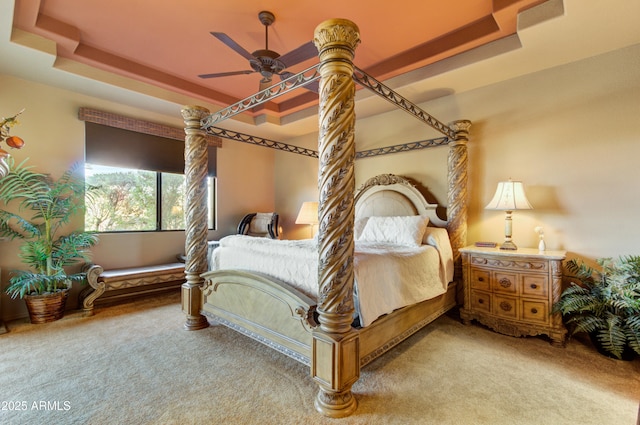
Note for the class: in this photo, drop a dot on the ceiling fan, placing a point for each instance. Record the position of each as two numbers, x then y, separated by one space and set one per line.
265 61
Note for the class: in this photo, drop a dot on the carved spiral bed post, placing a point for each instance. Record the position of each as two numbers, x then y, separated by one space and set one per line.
457 178
196 165
335 357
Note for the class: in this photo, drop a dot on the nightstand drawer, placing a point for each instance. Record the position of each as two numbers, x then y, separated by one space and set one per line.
505 282
481 301
480 279
535 311
505 306
513 292
535 285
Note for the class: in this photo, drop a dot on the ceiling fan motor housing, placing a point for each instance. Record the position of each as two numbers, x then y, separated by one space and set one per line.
266 62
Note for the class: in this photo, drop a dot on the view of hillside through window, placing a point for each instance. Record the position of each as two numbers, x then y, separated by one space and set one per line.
137 200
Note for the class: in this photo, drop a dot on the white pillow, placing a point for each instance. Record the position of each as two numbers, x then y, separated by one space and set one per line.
399 230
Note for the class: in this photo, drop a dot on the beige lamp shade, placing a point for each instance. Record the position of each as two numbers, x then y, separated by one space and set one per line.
308 213
509 197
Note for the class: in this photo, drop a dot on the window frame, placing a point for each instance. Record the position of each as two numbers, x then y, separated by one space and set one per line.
212 204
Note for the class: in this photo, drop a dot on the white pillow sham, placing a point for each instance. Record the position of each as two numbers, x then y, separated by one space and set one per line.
398 230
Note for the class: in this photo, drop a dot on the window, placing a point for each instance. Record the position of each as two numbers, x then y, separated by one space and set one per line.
140 181
127 200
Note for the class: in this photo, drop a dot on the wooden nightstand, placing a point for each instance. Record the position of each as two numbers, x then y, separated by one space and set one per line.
513 292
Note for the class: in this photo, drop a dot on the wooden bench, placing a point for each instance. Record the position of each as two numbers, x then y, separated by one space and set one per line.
117 284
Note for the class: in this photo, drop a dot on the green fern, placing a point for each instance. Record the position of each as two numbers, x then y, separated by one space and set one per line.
632 332
606 302
44 207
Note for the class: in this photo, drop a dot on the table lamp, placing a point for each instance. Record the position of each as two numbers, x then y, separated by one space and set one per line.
509 197
308 214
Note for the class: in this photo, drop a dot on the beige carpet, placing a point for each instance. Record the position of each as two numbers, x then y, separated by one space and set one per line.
133 364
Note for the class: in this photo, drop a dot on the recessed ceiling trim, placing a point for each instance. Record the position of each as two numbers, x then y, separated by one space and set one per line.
422 53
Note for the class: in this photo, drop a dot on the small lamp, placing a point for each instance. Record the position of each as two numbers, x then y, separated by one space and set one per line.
308 215
509 197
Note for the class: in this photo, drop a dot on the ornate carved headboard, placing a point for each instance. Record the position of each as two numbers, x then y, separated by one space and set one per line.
391 195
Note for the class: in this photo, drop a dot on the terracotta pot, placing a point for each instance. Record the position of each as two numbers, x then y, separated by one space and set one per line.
48 307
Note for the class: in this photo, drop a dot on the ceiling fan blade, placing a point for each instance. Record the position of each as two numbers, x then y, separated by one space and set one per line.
314 87
301 54
225 74
232 44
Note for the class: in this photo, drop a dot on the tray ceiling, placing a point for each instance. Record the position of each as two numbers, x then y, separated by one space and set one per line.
168 44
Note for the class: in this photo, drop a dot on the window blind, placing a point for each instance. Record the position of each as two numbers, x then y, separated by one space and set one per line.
116 147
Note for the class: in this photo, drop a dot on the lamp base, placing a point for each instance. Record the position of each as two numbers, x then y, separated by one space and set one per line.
508 245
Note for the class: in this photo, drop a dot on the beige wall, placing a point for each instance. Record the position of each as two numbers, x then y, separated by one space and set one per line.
55 139
296 179
569 133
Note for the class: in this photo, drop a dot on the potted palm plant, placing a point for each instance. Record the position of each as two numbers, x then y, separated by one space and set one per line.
45 205
605 304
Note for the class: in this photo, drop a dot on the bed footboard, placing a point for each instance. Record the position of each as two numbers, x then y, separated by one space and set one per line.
262 308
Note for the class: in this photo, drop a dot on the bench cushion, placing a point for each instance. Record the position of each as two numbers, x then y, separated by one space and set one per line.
140 272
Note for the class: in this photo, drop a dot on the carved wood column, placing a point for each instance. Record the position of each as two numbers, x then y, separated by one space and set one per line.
457 193
335 342
558 332
196 228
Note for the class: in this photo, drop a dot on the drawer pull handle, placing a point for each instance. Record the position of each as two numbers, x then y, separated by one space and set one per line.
534 286
534 310
505 306
481 279
505 283
480 301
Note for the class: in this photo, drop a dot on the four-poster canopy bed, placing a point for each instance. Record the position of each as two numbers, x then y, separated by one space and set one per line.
320 332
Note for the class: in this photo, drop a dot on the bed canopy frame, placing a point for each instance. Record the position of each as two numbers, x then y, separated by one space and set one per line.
335 365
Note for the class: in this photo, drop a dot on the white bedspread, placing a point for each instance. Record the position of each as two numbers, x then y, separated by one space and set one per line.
387 277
